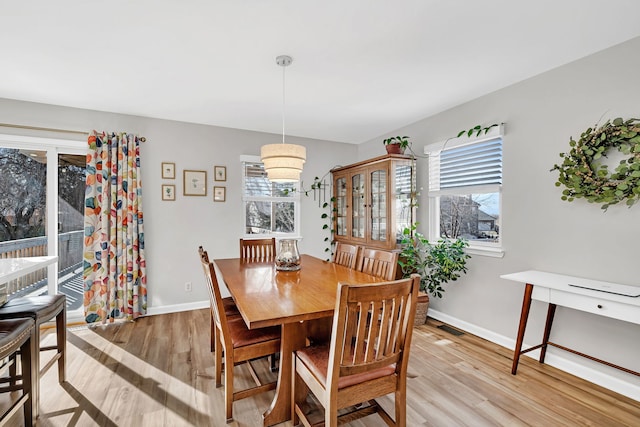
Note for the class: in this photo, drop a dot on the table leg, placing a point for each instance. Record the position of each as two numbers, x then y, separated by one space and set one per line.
524 315
551 311
293 338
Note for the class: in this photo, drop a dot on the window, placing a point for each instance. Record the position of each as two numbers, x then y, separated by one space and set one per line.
465 182
270 209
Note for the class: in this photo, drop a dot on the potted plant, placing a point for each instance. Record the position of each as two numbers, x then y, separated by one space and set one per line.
396 144
436 263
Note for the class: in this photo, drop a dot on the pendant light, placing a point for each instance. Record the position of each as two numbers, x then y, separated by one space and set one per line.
283 162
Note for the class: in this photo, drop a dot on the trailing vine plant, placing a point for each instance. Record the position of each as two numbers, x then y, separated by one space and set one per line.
477 129
583 174
318 190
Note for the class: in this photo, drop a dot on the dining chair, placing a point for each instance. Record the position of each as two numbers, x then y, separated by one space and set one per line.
229 305
364 360
379 263
258 249
346 254
18 336
42 309
237 344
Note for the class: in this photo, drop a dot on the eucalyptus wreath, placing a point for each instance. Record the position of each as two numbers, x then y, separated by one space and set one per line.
584 176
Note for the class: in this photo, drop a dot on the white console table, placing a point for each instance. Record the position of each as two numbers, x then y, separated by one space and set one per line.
602 298
13 268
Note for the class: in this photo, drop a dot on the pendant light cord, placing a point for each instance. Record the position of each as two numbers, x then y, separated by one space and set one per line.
283 71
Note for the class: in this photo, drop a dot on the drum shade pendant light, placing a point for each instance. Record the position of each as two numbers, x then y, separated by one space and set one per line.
283 162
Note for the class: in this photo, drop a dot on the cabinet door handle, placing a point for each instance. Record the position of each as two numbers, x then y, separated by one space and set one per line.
599 305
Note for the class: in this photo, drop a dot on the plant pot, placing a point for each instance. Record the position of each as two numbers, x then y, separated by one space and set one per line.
422 306
394 149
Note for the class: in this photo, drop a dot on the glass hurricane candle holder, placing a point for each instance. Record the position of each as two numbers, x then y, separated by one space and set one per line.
288 257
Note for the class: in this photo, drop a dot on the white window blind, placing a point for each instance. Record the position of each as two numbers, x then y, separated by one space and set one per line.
467 166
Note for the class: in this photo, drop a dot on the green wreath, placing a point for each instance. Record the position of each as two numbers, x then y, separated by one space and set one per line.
585 177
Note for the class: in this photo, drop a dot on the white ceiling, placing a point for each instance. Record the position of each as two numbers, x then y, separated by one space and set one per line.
361 68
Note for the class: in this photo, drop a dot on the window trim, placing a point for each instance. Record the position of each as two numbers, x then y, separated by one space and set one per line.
489 249
295 199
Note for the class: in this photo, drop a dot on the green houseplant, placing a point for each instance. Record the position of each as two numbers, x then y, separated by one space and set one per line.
436 263
396 144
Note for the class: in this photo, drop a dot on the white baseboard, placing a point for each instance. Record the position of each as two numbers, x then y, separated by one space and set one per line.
175 308
77 316
600 378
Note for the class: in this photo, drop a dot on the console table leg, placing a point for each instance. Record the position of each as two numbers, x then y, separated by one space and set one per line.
524 315
551 311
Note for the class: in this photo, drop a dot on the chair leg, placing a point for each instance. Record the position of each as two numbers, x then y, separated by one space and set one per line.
401 407
213 331
298 393
13 370
27 352
274 367
61 337
330 415
218 360
35 370
228 387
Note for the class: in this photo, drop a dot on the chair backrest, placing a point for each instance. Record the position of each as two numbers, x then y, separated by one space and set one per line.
346 254
379 263
219 314
362 341
258 249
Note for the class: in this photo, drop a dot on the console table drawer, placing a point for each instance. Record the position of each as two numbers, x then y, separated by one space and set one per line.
602 307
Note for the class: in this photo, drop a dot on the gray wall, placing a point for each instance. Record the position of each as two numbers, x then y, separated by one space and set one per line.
539 230
173 230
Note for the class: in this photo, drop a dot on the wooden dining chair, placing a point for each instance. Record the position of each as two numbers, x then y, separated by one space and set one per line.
363 360
229 305
258 249
346 254
237 344
379 263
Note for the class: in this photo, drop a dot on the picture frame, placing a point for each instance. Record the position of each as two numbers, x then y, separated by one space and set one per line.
168 170
219 194
194 182
220 173
169 192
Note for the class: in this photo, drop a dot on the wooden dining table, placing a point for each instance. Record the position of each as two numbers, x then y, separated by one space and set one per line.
289 299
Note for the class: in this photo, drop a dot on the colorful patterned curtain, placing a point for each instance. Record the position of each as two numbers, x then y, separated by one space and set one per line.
115 280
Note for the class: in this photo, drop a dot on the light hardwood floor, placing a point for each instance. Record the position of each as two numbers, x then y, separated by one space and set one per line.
158 371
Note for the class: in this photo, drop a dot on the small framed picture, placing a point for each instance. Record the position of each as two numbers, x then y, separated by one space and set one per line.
168 170
219 194
169 192
194 183
220 173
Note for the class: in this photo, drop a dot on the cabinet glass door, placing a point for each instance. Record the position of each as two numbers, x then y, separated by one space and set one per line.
341 207
357 206
404 189
378 210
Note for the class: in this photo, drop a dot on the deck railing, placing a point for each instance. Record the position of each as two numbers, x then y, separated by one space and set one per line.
69 255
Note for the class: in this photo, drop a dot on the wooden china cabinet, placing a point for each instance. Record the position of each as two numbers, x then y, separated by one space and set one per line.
374 201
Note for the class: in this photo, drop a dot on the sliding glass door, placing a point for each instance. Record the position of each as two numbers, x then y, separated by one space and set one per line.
42 183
